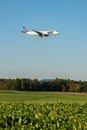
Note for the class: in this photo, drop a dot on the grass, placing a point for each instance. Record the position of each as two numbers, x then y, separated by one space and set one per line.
42 97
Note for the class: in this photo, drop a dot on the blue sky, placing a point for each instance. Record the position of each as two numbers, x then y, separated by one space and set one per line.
62 56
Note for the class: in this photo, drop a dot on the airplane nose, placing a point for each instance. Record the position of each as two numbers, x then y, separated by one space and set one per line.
58 33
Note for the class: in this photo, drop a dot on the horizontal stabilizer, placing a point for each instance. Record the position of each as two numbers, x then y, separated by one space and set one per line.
23 31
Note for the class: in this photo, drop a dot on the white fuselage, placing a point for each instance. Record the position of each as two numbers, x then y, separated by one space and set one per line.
43 32
32 33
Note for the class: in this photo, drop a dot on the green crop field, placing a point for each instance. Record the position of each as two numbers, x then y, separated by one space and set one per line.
42 97
54 116
43 111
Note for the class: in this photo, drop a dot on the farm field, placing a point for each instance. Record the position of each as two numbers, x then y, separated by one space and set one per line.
54 116
42 97
43 111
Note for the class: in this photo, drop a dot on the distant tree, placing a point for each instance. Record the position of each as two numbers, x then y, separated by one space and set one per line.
83 87
35 85
24 84
17 84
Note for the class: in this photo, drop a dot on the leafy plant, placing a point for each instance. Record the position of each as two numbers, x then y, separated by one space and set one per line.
54 116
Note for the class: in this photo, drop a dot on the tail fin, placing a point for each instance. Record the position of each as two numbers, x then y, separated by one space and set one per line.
25 29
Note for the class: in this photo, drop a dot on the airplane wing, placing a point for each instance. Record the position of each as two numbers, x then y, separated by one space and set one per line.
39 33
43 34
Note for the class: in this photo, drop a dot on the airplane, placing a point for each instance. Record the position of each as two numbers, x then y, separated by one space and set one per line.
39 33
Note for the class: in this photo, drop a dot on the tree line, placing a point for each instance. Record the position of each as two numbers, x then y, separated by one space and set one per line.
60 85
